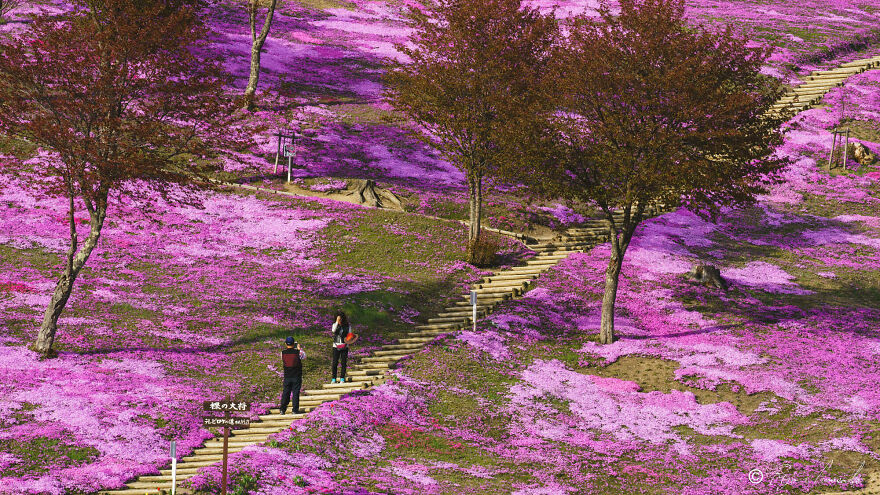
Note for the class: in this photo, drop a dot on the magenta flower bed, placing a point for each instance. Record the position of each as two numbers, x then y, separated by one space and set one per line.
160 302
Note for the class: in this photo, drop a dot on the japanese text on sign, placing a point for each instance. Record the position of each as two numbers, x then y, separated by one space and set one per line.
226 421
224 405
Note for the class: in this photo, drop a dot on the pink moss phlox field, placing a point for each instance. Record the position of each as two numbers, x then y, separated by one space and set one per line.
618 408
152 307
91 403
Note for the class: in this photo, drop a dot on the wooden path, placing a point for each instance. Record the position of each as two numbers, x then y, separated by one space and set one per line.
491 290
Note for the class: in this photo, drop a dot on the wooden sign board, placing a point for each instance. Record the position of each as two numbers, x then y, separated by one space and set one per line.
226 405
227 422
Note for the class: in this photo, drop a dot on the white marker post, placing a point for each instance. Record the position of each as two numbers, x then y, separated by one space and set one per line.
173 467
474 304
290 153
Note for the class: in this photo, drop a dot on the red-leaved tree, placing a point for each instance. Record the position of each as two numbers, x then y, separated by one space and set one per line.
475 67
117 92
652 110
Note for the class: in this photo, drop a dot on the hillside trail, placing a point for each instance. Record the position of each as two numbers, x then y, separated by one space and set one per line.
491 291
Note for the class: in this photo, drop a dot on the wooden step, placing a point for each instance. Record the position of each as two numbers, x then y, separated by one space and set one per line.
448 320
361 384
467 304
322 392
439 326
417 339
388 358
375 372
498 290
391 347
500 283
458 313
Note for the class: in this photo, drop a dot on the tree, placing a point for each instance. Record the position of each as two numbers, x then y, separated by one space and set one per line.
474 66
122 117
653 111
257 42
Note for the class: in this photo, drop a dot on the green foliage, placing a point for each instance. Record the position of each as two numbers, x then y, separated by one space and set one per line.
36 455
244 484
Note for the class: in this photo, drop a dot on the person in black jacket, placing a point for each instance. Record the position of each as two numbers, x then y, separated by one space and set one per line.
340 330
292 358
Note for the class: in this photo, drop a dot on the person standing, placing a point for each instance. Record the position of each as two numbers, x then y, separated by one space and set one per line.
340 331
292 357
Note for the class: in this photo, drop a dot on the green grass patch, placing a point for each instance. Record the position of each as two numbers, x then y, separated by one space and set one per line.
40 455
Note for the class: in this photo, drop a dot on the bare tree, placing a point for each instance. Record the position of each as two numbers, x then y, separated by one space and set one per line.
257 42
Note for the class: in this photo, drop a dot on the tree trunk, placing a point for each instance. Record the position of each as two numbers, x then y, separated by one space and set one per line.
257 42
475 206
75 262
620 239
612 276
